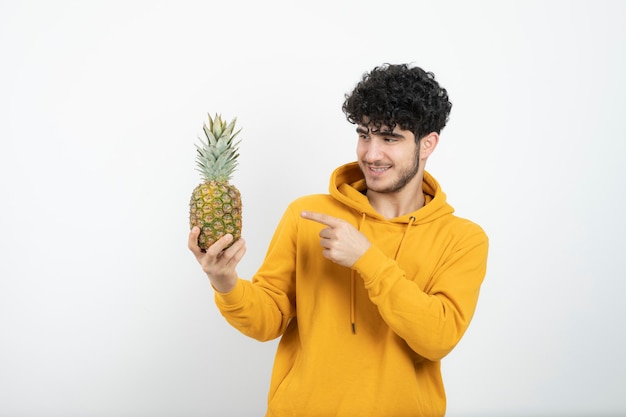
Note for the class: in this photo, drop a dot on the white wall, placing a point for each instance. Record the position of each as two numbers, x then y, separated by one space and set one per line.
104 312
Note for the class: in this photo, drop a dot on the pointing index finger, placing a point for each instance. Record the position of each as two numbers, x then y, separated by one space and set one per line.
320 218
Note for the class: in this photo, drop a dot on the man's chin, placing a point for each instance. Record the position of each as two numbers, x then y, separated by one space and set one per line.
376 187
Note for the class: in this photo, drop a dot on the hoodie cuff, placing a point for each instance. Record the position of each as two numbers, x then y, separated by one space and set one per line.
371 265
231 298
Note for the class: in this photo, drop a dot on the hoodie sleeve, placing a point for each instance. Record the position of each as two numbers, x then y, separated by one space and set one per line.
263 307
431 320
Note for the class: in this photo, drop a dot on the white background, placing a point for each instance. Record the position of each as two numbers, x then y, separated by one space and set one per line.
104 311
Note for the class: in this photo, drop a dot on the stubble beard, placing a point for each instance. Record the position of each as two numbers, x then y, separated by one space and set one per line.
405 177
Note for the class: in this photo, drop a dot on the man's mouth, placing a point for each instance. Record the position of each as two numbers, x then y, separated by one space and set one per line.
377 169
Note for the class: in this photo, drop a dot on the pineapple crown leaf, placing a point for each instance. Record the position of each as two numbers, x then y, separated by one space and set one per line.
217 154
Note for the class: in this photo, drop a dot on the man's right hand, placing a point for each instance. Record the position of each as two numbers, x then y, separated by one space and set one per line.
217 262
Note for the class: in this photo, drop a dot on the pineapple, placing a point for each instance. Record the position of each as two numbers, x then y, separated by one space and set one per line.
215 205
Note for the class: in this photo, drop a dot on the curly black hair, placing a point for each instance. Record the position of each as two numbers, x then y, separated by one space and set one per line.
401 95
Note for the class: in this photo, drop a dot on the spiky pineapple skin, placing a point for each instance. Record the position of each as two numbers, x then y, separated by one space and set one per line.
216 209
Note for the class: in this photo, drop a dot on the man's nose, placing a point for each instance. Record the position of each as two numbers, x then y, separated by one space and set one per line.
374 150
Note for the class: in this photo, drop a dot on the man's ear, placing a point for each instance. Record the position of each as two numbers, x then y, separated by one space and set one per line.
428 144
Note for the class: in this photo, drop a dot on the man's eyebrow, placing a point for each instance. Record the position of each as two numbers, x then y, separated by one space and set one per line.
364 130
389 133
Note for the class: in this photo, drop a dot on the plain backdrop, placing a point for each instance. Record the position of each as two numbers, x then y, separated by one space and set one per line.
105 312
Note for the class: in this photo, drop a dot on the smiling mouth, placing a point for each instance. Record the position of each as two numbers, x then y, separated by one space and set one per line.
377 169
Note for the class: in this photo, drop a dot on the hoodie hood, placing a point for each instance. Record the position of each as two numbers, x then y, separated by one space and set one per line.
347 185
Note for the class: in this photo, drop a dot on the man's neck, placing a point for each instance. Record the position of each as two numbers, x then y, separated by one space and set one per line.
392 205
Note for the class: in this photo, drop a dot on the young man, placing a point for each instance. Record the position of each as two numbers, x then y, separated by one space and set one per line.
371 285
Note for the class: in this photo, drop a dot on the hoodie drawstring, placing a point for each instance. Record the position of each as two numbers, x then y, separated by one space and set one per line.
353 274
353 288
408 225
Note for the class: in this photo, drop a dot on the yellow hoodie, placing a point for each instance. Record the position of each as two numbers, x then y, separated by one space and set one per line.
365 341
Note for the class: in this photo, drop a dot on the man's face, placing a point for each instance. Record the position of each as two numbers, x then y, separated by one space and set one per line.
388 159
